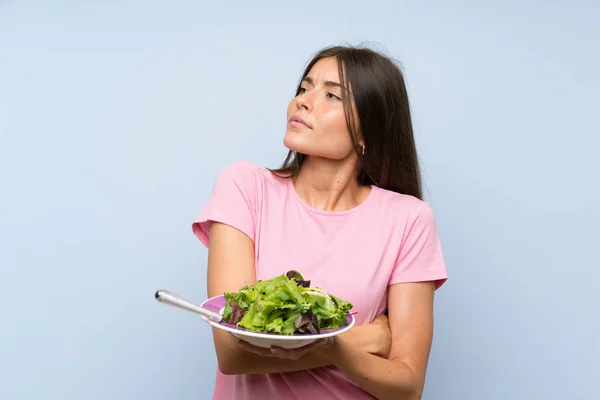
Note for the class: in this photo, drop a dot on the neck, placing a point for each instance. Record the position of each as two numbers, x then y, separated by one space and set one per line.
330 185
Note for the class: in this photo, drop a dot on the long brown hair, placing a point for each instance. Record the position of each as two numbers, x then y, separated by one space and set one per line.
390 157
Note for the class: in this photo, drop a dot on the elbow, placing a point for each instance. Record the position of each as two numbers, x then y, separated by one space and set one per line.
227 369
229 356
409 391
228 364
406 394
416 391
417 395
230 361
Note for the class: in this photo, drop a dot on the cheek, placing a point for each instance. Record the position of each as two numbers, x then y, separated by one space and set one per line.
333 118
332 124
333 135
329 137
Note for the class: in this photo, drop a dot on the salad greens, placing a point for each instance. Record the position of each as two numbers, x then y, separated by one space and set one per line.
286 305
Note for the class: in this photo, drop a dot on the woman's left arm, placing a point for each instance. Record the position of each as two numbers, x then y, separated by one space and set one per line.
402 374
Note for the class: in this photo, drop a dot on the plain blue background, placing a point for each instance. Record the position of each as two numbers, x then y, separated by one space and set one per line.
116 117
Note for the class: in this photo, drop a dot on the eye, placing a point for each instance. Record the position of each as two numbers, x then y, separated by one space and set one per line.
302 90
333 96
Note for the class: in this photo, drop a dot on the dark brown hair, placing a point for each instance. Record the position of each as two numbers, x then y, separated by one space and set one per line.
390 158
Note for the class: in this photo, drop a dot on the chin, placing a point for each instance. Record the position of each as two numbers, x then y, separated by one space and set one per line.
295 143
302 144
314 151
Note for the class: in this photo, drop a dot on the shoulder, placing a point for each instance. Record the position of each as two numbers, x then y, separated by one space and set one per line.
241 173
406 208
247 177
404 203
239 170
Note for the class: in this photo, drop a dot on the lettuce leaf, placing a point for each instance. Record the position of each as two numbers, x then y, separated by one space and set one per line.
285 305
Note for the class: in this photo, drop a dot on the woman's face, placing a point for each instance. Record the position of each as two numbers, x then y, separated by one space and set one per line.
316 121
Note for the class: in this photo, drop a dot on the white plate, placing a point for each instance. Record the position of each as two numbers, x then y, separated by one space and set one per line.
267 340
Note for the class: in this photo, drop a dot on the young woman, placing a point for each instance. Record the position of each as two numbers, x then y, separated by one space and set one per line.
345 210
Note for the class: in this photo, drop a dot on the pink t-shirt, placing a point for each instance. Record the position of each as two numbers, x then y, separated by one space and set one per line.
356 254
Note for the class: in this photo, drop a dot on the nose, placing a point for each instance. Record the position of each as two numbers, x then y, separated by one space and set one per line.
304 101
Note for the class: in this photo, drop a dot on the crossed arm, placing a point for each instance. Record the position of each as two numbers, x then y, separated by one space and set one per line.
400 375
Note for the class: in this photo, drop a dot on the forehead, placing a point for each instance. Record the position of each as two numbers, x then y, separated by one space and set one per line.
325 69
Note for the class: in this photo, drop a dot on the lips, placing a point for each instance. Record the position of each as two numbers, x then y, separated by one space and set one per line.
295 120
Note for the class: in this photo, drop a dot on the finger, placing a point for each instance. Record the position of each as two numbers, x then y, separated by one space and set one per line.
297 353
292 354
286 354
381 318
298 349
316 344
255 349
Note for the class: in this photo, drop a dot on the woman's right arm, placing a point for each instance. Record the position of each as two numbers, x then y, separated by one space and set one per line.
230 267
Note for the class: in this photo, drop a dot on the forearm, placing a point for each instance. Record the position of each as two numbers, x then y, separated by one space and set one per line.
234 360
243 362
383 378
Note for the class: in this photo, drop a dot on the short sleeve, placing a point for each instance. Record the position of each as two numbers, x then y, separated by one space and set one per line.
420 258
233 202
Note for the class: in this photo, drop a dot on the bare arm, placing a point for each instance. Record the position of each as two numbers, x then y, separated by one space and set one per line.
230 267
402 374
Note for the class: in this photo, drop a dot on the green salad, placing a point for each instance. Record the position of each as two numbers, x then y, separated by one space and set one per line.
286 305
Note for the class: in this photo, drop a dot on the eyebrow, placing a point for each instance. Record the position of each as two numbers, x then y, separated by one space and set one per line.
310 81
